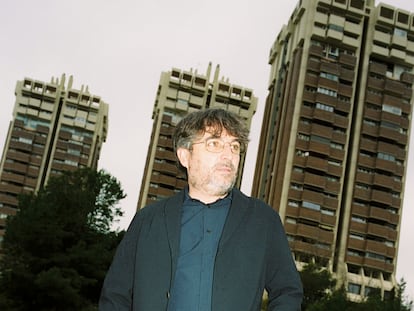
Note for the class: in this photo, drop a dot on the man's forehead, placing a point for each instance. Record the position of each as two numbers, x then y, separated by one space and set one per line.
215 132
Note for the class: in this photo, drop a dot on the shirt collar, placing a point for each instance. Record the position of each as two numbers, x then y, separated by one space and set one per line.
220 202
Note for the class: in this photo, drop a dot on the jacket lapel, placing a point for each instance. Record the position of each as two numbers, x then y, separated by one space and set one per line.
238 210
172 218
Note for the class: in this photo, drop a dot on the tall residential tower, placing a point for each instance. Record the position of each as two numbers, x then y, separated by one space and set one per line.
54 128
180 92
333 149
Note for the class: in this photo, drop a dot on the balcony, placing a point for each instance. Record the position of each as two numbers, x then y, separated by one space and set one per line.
8 200
347 60
319 148
347 75
314 233
312 215
387 182
160 191
313 65
309 248
362 211
317 163
10 188
165 155
394 87
170 169
18 156
324 115
345 90
375 83
364 177
379 248
377 264
381 231
315 180
372 98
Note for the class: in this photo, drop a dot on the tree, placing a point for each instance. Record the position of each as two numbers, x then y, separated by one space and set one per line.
317 284
59 245
335 300
320 294
397 302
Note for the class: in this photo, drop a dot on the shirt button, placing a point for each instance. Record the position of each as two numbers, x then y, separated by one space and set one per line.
208 231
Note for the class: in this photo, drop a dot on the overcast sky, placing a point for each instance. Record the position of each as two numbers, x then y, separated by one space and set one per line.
119 49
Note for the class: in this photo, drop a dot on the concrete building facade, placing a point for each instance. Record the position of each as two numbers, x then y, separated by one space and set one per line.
332 155
179 93
54 128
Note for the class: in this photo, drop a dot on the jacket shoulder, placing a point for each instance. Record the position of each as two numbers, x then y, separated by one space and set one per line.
161 204
253 202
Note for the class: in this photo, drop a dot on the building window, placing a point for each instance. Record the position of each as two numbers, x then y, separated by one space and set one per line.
385 156
359 219
327 212
303 137
25 140
331 51
328 92
329 76
290 220
391 109
320 139
298 169
311 205
71 163
296 186
332 178
375 256
334 162
293 203
370 122
356 237
337 146
354 288
336 27
344 98
400 32
324 107
391 126
302 153
74 152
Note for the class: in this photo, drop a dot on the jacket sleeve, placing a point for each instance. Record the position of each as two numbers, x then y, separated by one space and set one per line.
283 282
116 294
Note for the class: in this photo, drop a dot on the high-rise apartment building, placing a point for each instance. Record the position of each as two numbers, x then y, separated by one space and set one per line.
180 92
54 128
332 155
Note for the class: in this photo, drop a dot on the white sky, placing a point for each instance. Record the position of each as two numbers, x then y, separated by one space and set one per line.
119 49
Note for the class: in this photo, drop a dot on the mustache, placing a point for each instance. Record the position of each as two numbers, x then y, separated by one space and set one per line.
225 165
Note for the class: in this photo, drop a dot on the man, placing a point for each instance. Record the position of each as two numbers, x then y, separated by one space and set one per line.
209 247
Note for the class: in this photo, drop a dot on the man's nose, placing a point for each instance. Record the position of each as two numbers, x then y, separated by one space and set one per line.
227 149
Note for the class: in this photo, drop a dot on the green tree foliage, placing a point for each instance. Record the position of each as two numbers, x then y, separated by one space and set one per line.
335 300
59 245
320 294
317 284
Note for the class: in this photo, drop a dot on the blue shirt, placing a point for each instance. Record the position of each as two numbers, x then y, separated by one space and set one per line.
201 228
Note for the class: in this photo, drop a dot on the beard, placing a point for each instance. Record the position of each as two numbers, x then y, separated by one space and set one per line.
215 182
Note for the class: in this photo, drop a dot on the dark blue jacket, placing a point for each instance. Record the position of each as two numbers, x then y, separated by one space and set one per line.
253 255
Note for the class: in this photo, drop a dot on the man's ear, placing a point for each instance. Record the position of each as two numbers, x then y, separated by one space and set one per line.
183 155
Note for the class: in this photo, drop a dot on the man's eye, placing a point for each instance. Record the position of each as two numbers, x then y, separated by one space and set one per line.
213 143
235 147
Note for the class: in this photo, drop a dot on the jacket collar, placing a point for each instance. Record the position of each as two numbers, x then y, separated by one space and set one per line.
172 212
237 212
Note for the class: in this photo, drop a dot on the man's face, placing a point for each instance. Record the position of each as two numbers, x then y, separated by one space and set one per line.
211 175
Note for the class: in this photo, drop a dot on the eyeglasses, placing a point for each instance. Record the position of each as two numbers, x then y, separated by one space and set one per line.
216 145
